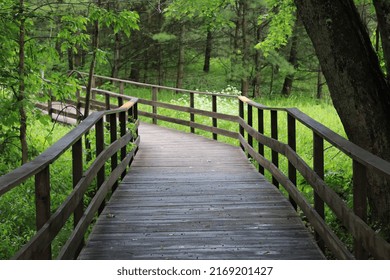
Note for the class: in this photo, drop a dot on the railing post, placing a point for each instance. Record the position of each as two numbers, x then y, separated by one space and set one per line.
77 171
130 118
215 123
122 88
260 126
93 85
113 138
42 204
120 101
360 184
122 124
50 105
99 130
242 116
108 106
154 107
135 112
192 106
250 123
78 106
274 135
292 142
318 167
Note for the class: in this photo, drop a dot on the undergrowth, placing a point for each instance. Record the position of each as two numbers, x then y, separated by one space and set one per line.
17 207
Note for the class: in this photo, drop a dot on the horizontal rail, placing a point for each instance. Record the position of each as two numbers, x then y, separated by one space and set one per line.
322 228
360 230
352 150
179 108
216 130
52 227
69 250
19 175
352 219
371 241
49 225
163 87
366 239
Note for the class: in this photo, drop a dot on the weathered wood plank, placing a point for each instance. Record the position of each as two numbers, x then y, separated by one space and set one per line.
206 202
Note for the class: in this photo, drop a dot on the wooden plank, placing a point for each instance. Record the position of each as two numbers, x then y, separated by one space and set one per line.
206 202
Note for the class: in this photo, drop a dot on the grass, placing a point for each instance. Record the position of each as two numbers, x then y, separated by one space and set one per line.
17 207
338 166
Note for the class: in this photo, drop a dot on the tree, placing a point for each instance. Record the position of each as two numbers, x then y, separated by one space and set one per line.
293 60
382 8
19 74
124 21
357 85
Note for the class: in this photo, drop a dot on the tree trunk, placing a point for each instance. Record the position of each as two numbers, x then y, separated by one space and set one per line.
293 60
271 83
95 46
115 68
382 8
70 59
207 54
357 85
22 87
235 58
160 49
181 59
257 62
245 48
319 83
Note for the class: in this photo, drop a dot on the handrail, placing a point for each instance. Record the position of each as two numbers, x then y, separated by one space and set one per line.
366 240
354 151
49 225
161 87
19 175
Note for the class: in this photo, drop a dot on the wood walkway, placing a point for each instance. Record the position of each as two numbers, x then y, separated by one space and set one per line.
188 197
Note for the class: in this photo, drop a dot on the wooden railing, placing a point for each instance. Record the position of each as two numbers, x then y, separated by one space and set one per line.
49 225
368 243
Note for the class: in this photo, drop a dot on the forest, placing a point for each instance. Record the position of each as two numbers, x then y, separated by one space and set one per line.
330 59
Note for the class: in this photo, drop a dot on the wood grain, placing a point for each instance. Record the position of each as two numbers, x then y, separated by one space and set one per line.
188 197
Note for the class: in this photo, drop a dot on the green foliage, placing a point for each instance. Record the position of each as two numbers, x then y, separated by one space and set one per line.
73 33
124 21
276 59
163 37
281 17
213 11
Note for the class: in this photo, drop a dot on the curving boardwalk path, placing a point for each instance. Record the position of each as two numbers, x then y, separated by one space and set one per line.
188 197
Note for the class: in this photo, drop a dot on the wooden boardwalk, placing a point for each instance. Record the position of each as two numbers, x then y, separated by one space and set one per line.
188 197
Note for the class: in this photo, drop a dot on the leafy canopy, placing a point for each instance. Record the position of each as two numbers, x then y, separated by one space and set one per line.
281 17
